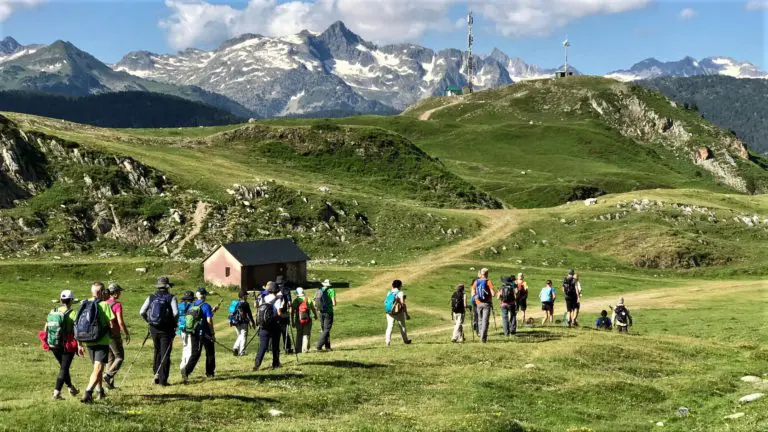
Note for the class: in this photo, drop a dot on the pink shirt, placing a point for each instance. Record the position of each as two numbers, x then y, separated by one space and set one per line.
116 306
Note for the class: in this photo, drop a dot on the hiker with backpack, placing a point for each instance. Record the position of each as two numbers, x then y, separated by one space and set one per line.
94 327
547 297
241 319
458 309
603 322
268 320
116 350
303 310
325 301
578 299
508 300
571 296
59 337
394 306
483 292
286 313
622 319
522 294
186 346
199 325
160 311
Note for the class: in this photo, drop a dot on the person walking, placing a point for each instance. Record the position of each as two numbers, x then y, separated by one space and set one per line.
116 349
160 311
325 302
59 336
241 319
93 314
547 297
571 296
270 308
578 299
203 335
522 294
186 346
458 310
286 313
483 292
508 300
394 306
622 319
303 309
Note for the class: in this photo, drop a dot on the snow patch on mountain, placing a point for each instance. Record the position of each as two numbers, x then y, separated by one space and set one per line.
652 68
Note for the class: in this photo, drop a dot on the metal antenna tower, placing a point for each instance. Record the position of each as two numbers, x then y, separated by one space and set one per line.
470 42
566 44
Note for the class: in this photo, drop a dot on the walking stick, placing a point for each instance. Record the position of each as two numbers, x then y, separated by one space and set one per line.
256 333
493 312
134 359
295 348
472 311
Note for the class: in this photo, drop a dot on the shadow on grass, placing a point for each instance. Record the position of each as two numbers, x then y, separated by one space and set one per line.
262 377
539 336
346 364
176 397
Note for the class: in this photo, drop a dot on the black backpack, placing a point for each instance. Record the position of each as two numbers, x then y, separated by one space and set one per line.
322 300
88 327
266 314
508 294
569 286
160 313
622 315
457 302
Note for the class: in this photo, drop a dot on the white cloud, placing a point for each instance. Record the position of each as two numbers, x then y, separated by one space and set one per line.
194 22
757 5
8 6
687 14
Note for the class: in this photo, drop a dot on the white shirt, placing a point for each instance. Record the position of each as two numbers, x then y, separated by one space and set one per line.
274 300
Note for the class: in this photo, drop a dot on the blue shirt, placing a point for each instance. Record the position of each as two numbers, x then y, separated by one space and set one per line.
207 313
546 294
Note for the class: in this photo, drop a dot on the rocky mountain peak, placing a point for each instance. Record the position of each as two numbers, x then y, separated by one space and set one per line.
238 40
9 45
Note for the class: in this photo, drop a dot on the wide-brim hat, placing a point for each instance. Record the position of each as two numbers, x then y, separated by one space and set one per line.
326 283
300 292
114 288
202 291
188 296
163 282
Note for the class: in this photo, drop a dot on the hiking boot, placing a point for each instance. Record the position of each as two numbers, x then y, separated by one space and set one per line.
57 395
157 379
87 397
276 366
408 342
101 394
211 376
235 352
184 376
256 368
73 391
109 381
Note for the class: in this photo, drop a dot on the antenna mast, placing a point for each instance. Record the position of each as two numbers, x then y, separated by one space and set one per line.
470 42
566 44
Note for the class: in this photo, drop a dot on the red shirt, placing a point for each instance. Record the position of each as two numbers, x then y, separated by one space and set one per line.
116 306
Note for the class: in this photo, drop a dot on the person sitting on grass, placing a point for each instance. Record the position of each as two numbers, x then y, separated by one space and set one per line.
547 297
603 322
621 317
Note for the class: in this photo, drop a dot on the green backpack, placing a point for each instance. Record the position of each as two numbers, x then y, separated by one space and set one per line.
56 329
193 319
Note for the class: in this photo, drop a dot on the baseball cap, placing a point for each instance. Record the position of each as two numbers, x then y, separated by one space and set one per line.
114 288
202 291
67 295
188 296
300 292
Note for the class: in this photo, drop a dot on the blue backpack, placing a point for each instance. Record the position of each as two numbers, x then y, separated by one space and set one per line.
481 289
389 302
88 327
237 313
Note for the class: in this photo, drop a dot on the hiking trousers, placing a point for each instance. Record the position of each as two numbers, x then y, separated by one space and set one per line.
186 350
458 327
65 361
303 333
326 322
483 318
199 342
269 338
115 357
509 319
242 338
400 319
163 344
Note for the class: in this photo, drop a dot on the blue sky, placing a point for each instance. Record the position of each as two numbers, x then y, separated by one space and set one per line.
601 41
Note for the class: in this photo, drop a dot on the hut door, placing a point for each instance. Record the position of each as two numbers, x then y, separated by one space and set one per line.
281 270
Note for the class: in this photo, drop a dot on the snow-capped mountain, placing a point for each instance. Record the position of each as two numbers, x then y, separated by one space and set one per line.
314 72
11 49
688 66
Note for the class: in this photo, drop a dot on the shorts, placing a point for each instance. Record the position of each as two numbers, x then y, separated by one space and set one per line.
548 306
571 304
98 353
522 305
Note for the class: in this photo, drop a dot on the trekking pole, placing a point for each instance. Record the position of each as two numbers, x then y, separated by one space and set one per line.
125 376
218 343
256 333
493 312
295 348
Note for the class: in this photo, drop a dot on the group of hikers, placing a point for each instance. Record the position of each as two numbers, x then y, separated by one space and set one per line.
99 327
513 297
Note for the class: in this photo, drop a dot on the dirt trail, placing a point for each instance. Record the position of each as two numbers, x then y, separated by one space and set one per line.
500 224
657 298
427 114
197 220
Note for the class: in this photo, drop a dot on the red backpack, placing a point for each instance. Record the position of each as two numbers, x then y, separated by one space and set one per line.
304 312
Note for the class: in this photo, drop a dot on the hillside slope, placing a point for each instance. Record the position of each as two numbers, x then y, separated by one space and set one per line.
131 109
730 103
